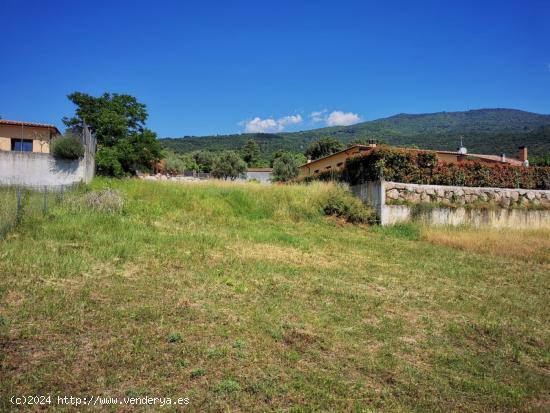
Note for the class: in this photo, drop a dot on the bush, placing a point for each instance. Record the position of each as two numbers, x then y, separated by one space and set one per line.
67 147
338 201
107 200
107 163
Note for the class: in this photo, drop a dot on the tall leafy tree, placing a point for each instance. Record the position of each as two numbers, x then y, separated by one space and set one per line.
299 158
285 167
323 147
228 165
125 145
251 153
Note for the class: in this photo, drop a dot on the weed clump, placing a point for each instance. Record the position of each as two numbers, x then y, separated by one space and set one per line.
108 200
175 338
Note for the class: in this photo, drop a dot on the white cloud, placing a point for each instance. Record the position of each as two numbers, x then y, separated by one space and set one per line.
259 125
290 120
339 118
318 116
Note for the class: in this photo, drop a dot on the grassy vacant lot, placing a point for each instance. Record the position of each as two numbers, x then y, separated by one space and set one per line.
245 298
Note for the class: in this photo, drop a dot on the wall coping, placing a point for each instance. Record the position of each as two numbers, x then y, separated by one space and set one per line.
402 185
25 154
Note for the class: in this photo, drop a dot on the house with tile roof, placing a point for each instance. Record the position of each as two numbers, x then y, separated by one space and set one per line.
25 158
336 161
18 136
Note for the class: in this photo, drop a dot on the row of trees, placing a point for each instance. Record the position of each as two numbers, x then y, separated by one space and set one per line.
126 145
232 164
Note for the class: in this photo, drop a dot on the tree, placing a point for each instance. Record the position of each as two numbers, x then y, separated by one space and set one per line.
118 123
358 141
323 147
251 153
299 158
106 162
204 160
229 165
285 167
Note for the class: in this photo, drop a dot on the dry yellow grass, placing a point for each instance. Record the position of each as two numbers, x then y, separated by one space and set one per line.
531 245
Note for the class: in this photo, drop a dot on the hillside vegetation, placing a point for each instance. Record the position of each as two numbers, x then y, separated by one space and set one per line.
491 131
245 297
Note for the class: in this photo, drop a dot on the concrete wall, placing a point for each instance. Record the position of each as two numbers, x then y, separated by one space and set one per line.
261 176
40 169
372 194
496 218
426 205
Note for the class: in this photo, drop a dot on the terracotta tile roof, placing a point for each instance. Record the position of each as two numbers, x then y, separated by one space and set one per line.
496 158
361 148
33 124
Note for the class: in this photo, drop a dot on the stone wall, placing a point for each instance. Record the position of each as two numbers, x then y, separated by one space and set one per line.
455 205
399 193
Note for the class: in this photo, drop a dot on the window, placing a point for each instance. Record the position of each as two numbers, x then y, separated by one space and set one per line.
21 145
340 163
328 167
316 171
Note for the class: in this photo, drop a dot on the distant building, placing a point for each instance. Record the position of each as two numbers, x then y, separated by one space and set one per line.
337 160
17 136
262 175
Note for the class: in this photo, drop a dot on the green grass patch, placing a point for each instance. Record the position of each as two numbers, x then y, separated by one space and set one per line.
247 297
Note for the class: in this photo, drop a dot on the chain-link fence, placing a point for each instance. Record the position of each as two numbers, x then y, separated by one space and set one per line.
21 202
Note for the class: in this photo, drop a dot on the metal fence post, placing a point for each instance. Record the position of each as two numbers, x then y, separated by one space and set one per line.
18 210
45 208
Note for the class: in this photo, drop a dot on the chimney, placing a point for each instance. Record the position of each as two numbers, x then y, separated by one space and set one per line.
523 153
308 160
502 157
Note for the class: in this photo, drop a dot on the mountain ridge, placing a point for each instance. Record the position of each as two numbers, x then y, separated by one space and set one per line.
493 130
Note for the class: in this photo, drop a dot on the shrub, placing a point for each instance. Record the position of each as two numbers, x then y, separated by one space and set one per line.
107 200
67 147
107 163
337 201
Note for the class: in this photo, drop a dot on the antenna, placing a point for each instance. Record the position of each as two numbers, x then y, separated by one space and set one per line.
462 150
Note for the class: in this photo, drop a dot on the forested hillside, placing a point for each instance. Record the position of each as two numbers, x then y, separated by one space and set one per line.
484 131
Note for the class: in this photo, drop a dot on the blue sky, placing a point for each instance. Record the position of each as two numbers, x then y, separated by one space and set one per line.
225 67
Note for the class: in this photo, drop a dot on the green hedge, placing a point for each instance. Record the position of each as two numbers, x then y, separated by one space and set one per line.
423 168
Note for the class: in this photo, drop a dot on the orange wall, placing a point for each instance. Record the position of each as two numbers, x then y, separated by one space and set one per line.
40 137
330 163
